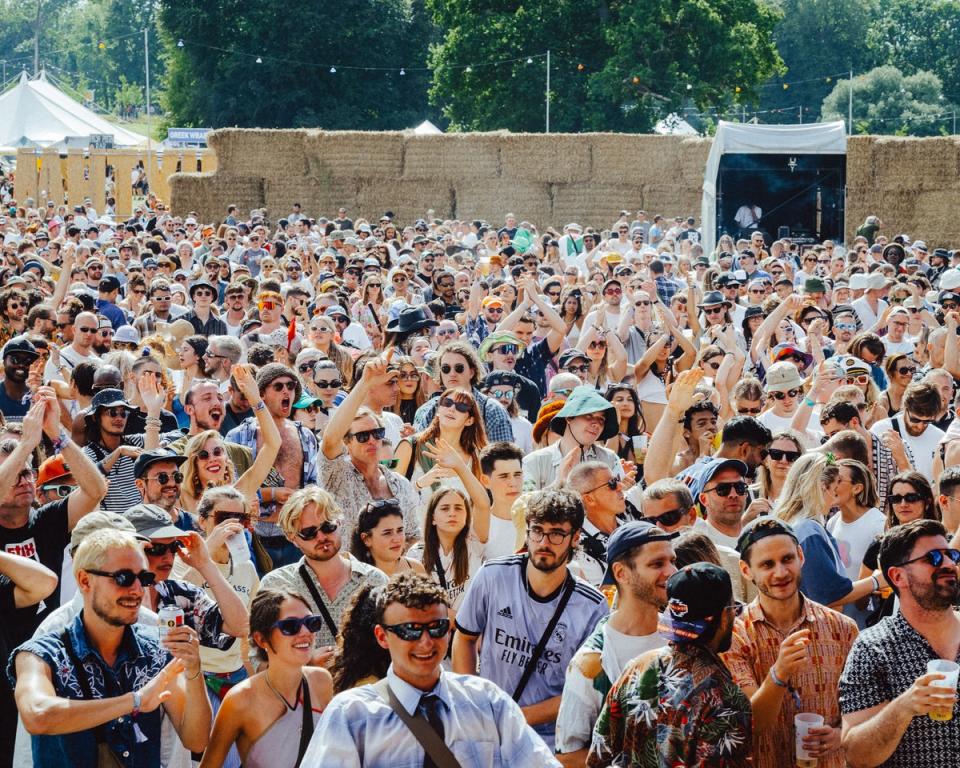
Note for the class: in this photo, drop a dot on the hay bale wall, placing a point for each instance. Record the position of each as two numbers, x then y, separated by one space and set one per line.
912 184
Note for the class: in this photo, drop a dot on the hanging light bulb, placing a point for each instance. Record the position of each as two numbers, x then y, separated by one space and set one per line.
636 80
529 60
402 71
333 70
179 43
259 60
580 67
689 87
468 69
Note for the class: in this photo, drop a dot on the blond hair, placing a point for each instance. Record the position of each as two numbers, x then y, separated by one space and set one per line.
293 509
191 474
92 552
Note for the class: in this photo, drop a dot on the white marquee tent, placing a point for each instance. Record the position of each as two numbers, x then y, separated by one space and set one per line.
35 113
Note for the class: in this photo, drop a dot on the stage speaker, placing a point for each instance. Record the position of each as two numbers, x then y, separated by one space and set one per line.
783 232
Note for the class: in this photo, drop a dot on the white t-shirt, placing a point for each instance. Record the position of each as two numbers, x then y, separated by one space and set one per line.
393 424
522 433
502 539
455 592
920 450
704 527
651 389
905 347
854 538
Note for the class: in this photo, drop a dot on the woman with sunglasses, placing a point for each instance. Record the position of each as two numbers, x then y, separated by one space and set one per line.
900 369
785 448
209 466
505 388
608 358
667 354
323 336
457 423
402 288
265 715
379 540
410 391
806 498
371 292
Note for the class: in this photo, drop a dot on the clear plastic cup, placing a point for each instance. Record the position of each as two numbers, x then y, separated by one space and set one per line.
237 546
950 670
802 723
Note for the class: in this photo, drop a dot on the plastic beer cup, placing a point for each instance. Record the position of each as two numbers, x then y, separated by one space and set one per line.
950 670
802 723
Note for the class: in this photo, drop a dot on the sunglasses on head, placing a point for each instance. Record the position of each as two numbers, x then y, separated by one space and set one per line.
723 489
165 477
411 631
669 518
507 349
790 393
458 368
292 626
125 577
364 435
159 550
449 402
326 528
935 557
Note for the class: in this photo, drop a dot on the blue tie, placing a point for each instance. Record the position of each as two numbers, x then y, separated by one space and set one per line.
430 707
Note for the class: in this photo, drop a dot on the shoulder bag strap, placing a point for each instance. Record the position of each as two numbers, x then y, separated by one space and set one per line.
438 567
306 732
99 732
315 594
420 727
544 639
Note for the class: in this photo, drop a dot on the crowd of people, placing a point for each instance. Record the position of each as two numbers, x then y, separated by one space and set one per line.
365 492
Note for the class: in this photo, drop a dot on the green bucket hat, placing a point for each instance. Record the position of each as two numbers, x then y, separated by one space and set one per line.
583 400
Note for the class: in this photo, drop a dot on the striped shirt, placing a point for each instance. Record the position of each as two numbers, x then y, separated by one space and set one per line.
482 726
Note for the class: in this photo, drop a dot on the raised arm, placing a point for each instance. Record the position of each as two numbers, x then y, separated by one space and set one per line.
445 456
558 328
232 608
761 338
32 581
63 281
660 454
374 372
253 478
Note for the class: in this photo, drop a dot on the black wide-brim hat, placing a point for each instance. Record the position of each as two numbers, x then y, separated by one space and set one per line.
412 319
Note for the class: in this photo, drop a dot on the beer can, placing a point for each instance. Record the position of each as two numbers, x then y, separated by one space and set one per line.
171 617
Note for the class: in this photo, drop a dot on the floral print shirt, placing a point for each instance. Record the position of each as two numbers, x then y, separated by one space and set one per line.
680 708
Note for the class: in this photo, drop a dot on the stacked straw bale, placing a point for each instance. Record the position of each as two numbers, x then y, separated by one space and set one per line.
263 153
452 157
555 159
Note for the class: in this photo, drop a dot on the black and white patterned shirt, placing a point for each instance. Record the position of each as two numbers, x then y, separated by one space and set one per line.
884 661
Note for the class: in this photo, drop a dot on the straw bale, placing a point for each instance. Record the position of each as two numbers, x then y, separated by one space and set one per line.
210 193
263 153
560 158
917 163
409 200
451 157
354 154
676 199
640 158
595 205
529 201
315 195
860 161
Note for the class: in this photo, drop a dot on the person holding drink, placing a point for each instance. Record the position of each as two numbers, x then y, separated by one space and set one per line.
787 654
896 712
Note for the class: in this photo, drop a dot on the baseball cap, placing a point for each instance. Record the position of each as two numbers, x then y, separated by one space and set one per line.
153 522
712 467
625 537
696 596
98 520
761 528
570 355
145 459
127 334
20 344
53 468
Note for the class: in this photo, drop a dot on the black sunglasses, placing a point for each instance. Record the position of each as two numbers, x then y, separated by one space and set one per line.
203 454
165 477
331 384
613 483
159 550
292 626
910 498
326 528
778 455
791 393
507 349
459 368
364 435
279 386
935 557
449 402
125 577
723 489
411 631
669 518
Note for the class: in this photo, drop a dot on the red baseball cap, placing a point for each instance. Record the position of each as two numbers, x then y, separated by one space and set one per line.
53 468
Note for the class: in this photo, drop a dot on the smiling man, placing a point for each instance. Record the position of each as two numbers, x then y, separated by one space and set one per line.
18 355
531 612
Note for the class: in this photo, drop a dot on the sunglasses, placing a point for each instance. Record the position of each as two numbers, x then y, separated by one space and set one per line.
125 577
304 367
165 477
778 454
60 491
749 411
507 349
503 394
449 402
613 483
326 528
331 384
578 369
790 393
918 419
907 370
267 305
409 376
159 550
494 310
364 435
723 489
240 517
117 412
935 557
715 310
447 332
203 454
642 303
87 330
203 292
612 291
411 631
599 344
909 498
669 518
458 367
712 365
290 627
279 386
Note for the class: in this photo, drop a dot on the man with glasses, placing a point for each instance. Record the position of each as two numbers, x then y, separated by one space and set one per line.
784 386
223 352
531 612
476 721
158 478
722 492
897 322
85 329
646 717
351 333
845 327
326 577
911 435
103 340
253 254
234 311
894 713
788 652
203 294
604 506
160 308
483 316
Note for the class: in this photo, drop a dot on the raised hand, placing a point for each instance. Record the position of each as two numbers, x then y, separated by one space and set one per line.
243 375
152 394
159 689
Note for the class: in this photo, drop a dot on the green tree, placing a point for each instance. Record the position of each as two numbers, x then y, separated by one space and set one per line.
818 40
616 65
918 35
214 79
887 102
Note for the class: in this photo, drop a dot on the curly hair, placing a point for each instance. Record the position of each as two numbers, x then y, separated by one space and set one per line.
411 590
359 655
554 506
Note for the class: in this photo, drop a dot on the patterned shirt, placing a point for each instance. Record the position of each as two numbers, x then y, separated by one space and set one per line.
288 577
495 419
884 467
140 658
884 661
200 613
666 288
680 709
755 647
482 725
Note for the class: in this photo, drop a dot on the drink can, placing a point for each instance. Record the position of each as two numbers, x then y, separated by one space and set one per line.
171 617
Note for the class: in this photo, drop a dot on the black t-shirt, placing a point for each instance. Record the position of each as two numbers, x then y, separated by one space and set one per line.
44 538
137 422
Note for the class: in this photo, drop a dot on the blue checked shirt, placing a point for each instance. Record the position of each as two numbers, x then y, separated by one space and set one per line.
666 288
483 727
495 419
